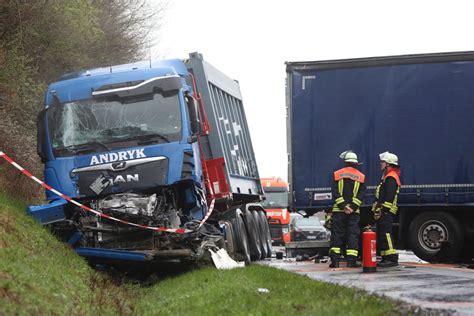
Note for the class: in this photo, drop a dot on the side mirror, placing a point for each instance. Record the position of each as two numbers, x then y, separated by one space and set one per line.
40 134
195 124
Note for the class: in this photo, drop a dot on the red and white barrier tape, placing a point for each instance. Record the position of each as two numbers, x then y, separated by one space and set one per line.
209 212
47 187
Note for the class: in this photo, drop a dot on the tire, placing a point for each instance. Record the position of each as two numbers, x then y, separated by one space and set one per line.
266 233
261 234
436 237
253 238
240 237
230 244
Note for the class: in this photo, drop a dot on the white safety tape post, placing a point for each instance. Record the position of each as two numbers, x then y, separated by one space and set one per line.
46 186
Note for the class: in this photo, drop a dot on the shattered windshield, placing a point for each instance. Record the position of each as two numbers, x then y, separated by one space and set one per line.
97 125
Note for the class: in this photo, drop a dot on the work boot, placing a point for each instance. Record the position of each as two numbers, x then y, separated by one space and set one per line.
353 264
387 264
388 261
334 264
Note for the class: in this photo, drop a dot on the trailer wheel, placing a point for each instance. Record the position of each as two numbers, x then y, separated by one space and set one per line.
252 231
436 236
266 233
240 236
261 234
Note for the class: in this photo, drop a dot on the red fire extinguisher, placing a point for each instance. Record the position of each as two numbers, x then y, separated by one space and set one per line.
369 251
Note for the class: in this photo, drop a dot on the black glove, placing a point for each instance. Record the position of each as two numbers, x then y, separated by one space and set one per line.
377 213
328 221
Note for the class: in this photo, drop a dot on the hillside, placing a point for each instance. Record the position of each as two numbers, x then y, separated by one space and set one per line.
40 275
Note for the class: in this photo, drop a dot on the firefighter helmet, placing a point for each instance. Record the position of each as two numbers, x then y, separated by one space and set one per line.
389 158
349 156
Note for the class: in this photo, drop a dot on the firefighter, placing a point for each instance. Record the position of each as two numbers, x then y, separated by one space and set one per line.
385 208
348 192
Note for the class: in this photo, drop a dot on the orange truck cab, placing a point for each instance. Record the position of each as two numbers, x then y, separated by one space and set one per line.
276 206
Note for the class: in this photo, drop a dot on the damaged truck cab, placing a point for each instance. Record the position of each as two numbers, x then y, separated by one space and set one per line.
134 142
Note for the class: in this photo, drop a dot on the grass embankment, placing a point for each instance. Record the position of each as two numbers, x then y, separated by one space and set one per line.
40 275
235 292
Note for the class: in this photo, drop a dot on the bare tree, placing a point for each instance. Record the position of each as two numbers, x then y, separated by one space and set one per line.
127 26
42 39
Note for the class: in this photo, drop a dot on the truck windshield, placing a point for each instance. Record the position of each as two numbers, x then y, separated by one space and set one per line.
275 200
99 125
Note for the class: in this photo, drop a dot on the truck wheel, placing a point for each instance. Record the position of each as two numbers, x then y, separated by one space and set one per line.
261 234
230 245
266 233
252 233
436 236
240 236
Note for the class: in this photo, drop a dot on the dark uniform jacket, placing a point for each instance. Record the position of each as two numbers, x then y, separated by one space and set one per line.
386 194
348 189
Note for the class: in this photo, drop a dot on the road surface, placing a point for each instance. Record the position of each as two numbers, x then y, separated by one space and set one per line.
437 288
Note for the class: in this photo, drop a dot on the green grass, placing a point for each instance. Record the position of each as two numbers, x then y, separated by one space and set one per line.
235 292
40 275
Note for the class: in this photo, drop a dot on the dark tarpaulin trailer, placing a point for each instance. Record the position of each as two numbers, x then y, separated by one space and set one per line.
420 107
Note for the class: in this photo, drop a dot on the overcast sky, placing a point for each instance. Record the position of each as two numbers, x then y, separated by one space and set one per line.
251 40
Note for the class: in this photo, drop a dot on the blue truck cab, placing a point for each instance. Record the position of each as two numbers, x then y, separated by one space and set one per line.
109 116
123 139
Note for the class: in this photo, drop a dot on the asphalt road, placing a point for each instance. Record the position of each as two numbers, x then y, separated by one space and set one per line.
436 288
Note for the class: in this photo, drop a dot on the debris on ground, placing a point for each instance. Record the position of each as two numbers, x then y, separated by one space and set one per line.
320 259
302 257
223 261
